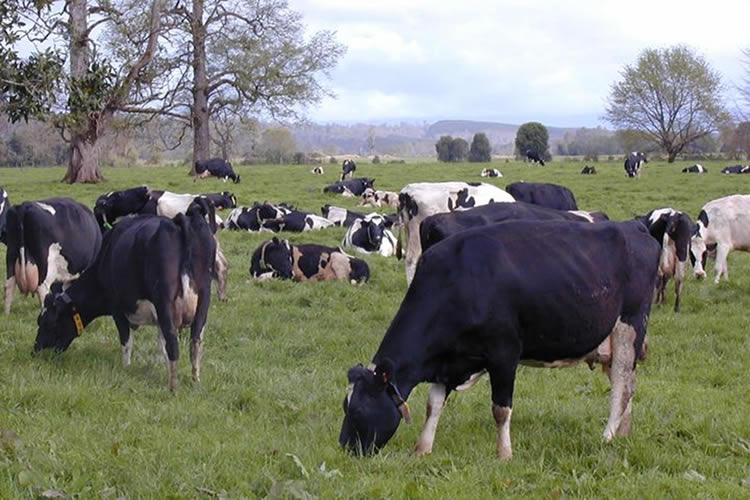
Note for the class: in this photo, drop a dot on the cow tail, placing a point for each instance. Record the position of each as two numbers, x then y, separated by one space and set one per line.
183 222
399 248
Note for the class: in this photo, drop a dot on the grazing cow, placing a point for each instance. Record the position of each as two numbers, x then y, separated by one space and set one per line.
350 187
150 271
545 294
379 198
546 195
297 222
4 207
534 157
672 230
736 169
340 216
587 170
695 169
317 170
216 167
369 235
115 205
279 259
725 222
490 172
633 163
347 169
49 241
420 200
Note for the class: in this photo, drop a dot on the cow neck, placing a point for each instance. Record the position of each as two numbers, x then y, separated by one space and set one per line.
88 298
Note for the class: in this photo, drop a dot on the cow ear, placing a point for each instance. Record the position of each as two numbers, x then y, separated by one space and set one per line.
356 373
275 240
384 372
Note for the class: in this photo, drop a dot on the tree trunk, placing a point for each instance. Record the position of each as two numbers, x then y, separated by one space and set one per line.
672 156
200 118
84 160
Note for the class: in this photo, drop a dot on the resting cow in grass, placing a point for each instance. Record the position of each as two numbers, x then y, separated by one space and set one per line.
296 221
587 170
736 169
373 198
340 216
350 187
545 294
317 170
695 169
370 235
490 172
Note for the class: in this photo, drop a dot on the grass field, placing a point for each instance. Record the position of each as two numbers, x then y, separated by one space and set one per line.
265 419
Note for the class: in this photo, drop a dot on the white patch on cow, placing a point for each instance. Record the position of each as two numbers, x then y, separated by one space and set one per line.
349 392
317 222
127 351
435 403
264 276
583 214
57 269
622 376
348 193
144 314
337 215
171 204
186 304
46 207
502 419
659 212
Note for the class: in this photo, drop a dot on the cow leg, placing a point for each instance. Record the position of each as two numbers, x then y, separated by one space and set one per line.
622 376
196 333
414 249
502 377
720 265
126 339
10 287
221 268
169 345
435 402
679 280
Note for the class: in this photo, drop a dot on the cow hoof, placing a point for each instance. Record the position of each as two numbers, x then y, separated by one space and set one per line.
421 452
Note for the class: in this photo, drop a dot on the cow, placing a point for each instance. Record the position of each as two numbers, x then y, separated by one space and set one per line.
373 198
216 167
544 294
543 194
279 259
222 201
589 170
340 216
4 207
317 170
370 235
253 218
736 169
347 169
725 222
115 205
695 169
49 241
151 271
633 163
438 227
534 157
297 222
350 187
490 172
672 229
420 200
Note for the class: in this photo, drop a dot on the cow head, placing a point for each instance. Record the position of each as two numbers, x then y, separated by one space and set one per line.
679 228
369 197
360 271
112 206
698 251
374 226
59 323
373 408
273 259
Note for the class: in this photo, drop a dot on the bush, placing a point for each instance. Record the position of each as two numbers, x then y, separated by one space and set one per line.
480 150
299 158
332 160
396 161
591 157
376 160
610 158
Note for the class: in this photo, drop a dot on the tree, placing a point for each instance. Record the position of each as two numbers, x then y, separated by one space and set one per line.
443 148
740 140
744 87
277 145
459 149
534 136
672 96
480 150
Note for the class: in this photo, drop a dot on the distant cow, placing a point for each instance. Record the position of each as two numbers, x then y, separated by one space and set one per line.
587 170
490 172
317 170
297 222
633 163
350 187
279 259
420 200
150 271
253 218
4 207
695 169
347 169
534 157
340 216
672 230
725 222
374 198
49 241
370 235
546 195
216 167
544 294
736 169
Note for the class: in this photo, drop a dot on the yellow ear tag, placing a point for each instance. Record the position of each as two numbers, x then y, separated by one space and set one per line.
78 322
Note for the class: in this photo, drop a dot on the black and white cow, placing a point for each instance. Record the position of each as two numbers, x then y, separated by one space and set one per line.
347 169
280 259
420 200
633 163
672 230
370 235
4 207
589 170
216 167
543 194
736 169
534 157
350 187
115 205
317 170
375 198
49 241
470 309
150 271
726 223
340 216
297 222
253 218
490 172
695 169
222 201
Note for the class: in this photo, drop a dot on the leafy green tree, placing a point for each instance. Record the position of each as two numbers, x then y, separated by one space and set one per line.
672 96
277 145
459 149
534 136
443 148
480 150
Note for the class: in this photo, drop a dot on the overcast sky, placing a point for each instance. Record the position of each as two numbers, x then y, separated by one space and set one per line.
507 61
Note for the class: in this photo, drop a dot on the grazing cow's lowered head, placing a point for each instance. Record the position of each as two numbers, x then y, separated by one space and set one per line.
113 206
273 259
59 323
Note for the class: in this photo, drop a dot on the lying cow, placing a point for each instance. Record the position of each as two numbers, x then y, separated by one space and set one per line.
587 170
420 200
736 169
725 222
222 201
370 235
534 157
695 169
340 216
350 187
633 163
297 222
4 207
546 195
672 230
253 218
150 271
317 170
216 167
347 169
279 259
470 310
49 241
374 198
490 172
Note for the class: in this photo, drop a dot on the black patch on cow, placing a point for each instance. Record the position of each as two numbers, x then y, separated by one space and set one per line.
475 184
703 217
309 262
463 200
406 202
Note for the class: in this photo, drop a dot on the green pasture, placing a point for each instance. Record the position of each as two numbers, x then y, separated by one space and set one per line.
264 421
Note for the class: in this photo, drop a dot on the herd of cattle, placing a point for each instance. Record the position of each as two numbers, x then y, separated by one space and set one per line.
496 278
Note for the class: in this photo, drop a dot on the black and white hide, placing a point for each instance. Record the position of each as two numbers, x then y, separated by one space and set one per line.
695 169
369 235
4 207
373 198
490 172
347 169
350 187
317 170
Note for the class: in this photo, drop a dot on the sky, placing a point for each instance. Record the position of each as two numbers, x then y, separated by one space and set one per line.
508 61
